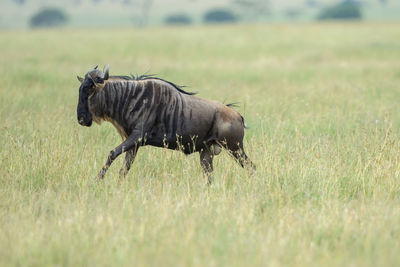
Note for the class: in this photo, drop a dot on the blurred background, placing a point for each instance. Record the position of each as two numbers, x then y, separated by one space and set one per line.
141 13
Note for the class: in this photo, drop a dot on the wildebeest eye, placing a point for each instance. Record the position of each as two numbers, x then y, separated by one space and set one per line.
90 87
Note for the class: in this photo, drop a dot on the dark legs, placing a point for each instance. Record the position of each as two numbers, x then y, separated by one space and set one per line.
130 143
243 160
207 155
206 158
129 158
237 151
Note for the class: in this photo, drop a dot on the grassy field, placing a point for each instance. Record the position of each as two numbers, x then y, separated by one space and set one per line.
322 104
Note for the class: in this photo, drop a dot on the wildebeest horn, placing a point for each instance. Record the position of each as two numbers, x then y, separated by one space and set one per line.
96 67
106 74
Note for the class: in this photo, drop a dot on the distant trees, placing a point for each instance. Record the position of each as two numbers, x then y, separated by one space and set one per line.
252 10
179 18
344 10
219 15
48 17
20 2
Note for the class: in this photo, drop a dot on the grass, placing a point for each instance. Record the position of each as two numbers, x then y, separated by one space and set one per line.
322 105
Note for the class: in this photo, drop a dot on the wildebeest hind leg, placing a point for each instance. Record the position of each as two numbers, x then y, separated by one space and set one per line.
242 158
129 158
127 145
206 162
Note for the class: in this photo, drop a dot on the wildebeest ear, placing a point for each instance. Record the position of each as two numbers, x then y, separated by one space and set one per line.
107 73
80 79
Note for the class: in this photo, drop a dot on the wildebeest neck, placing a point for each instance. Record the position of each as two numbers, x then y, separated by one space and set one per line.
117 103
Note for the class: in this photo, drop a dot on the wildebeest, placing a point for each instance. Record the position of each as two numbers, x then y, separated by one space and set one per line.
147 110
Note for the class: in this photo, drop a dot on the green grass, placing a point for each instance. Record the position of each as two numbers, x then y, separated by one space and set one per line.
322 103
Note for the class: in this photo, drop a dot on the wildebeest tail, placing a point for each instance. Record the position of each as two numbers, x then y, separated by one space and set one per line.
233 105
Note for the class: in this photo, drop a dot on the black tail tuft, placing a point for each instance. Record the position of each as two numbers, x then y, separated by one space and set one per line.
233 105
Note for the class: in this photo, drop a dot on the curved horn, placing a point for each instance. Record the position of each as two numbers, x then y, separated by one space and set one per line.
107 73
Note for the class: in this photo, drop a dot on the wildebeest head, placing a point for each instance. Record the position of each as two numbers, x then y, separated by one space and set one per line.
93 81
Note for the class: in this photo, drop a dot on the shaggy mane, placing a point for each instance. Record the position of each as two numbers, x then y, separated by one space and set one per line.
150 77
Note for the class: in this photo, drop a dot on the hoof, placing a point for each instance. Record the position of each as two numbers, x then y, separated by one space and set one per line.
101 174
122 173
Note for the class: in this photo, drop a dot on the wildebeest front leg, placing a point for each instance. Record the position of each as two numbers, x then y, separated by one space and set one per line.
127 145
129 158
206 161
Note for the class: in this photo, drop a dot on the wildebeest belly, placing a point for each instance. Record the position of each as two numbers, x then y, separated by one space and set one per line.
186 144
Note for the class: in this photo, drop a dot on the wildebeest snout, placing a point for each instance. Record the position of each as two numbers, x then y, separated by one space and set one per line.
85 119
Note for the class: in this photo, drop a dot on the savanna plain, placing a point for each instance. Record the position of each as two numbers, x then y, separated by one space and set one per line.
322 105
